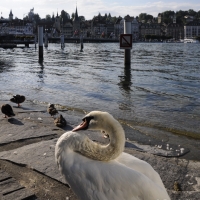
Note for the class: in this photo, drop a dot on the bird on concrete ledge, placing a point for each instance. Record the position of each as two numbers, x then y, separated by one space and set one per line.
60 121
7 110
52 110
18 99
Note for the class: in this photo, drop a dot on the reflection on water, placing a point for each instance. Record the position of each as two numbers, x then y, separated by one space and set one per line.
41 72
125 88
159 89
126 79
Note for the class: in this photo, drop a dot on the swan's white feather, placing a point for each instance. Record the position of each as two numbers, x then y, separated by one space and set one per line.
123 178
105 180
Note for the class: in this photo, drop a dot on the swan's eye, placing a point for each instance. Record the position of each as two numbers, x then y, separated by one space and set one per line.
87 119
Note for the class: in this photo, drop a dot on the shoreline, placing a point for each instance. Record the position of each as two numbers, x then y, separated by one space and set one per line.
27 144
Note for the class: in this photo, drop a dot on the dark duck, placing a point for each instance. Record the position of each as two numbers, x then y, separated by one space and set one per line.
60 121
52 110
7 110
18 99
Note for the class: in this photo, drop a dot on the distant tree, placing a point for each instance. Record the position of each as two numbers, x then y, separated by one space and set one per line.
198 15
191 12
25 17
167 16
113 19
81 18
145 17
37 18
53 17
127 17
180 16
99 17
65 16
72 16
148 17
104 18
142 16
48 17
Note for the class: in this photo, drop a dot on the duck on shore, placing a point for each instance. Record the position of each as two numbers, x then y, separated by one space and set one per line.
18 99
52 110
7 110
60 121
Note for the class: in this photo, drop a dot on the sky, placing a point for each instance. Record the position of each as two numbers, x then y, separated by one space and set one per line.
91 8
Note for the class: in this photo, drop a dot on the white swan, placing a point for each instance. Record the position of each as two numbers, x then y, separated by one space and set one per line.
105 172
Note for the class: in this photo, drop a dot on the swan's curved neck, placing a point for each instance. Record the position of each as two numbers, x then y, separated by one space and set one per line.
101 152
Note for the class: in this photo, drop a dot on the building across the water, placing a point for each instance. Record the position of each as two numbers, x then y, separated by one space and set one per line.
16 26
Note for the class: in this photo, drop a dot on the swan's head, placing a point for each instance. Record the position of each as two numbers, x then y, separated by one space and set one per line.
96 120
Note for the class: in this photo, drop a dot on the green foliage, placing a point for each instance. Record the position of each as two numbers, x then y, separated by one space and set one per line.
65 16
106 18
113 19
72 16
99 16
48 17
81 18
191 12
36 18
145 17
167 16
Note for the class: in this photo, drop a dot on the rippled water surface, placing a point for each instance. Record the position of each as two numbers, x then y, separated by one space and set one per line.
160 89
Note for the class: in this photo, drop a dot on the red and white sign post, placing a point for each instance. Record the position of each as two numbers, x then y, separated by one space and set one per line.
126 42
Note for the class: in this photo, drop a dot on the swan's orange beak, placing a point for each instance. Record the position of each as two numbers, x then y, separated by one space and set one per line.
81 126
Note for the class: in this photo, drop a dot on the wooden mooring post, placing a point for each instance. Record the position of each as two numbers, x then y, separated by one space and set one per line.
40 41
46 40
81 42
62 41
127 52
35 40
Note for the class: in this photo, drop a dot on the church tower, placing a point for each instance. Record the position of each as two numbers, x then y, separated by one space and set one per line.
57 23
76 23
159 18
10 15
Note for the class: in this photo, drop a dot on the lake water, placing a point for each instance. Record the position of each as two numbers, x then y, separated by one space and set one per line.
158 93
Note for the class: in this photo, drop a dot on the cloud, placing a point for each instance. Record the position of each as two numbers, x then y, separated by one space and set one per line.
91 8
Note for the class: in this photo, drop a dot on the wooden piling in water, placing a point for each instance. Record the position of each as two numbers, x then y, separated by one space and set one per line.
81 42
62 41
127 52
40 41
35 40
45 40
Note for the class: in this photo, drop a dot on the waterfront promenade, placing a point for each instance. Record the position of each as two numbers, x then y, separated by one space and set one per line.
14 42
28 169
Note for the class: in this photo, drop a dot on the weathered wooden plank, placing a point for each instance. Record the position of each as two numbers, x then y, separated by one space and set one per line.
20 195
9 185
4 175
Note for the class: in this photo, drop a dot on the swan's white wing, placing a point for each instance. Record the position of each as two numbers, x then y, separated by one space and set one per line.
98 180
140 166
